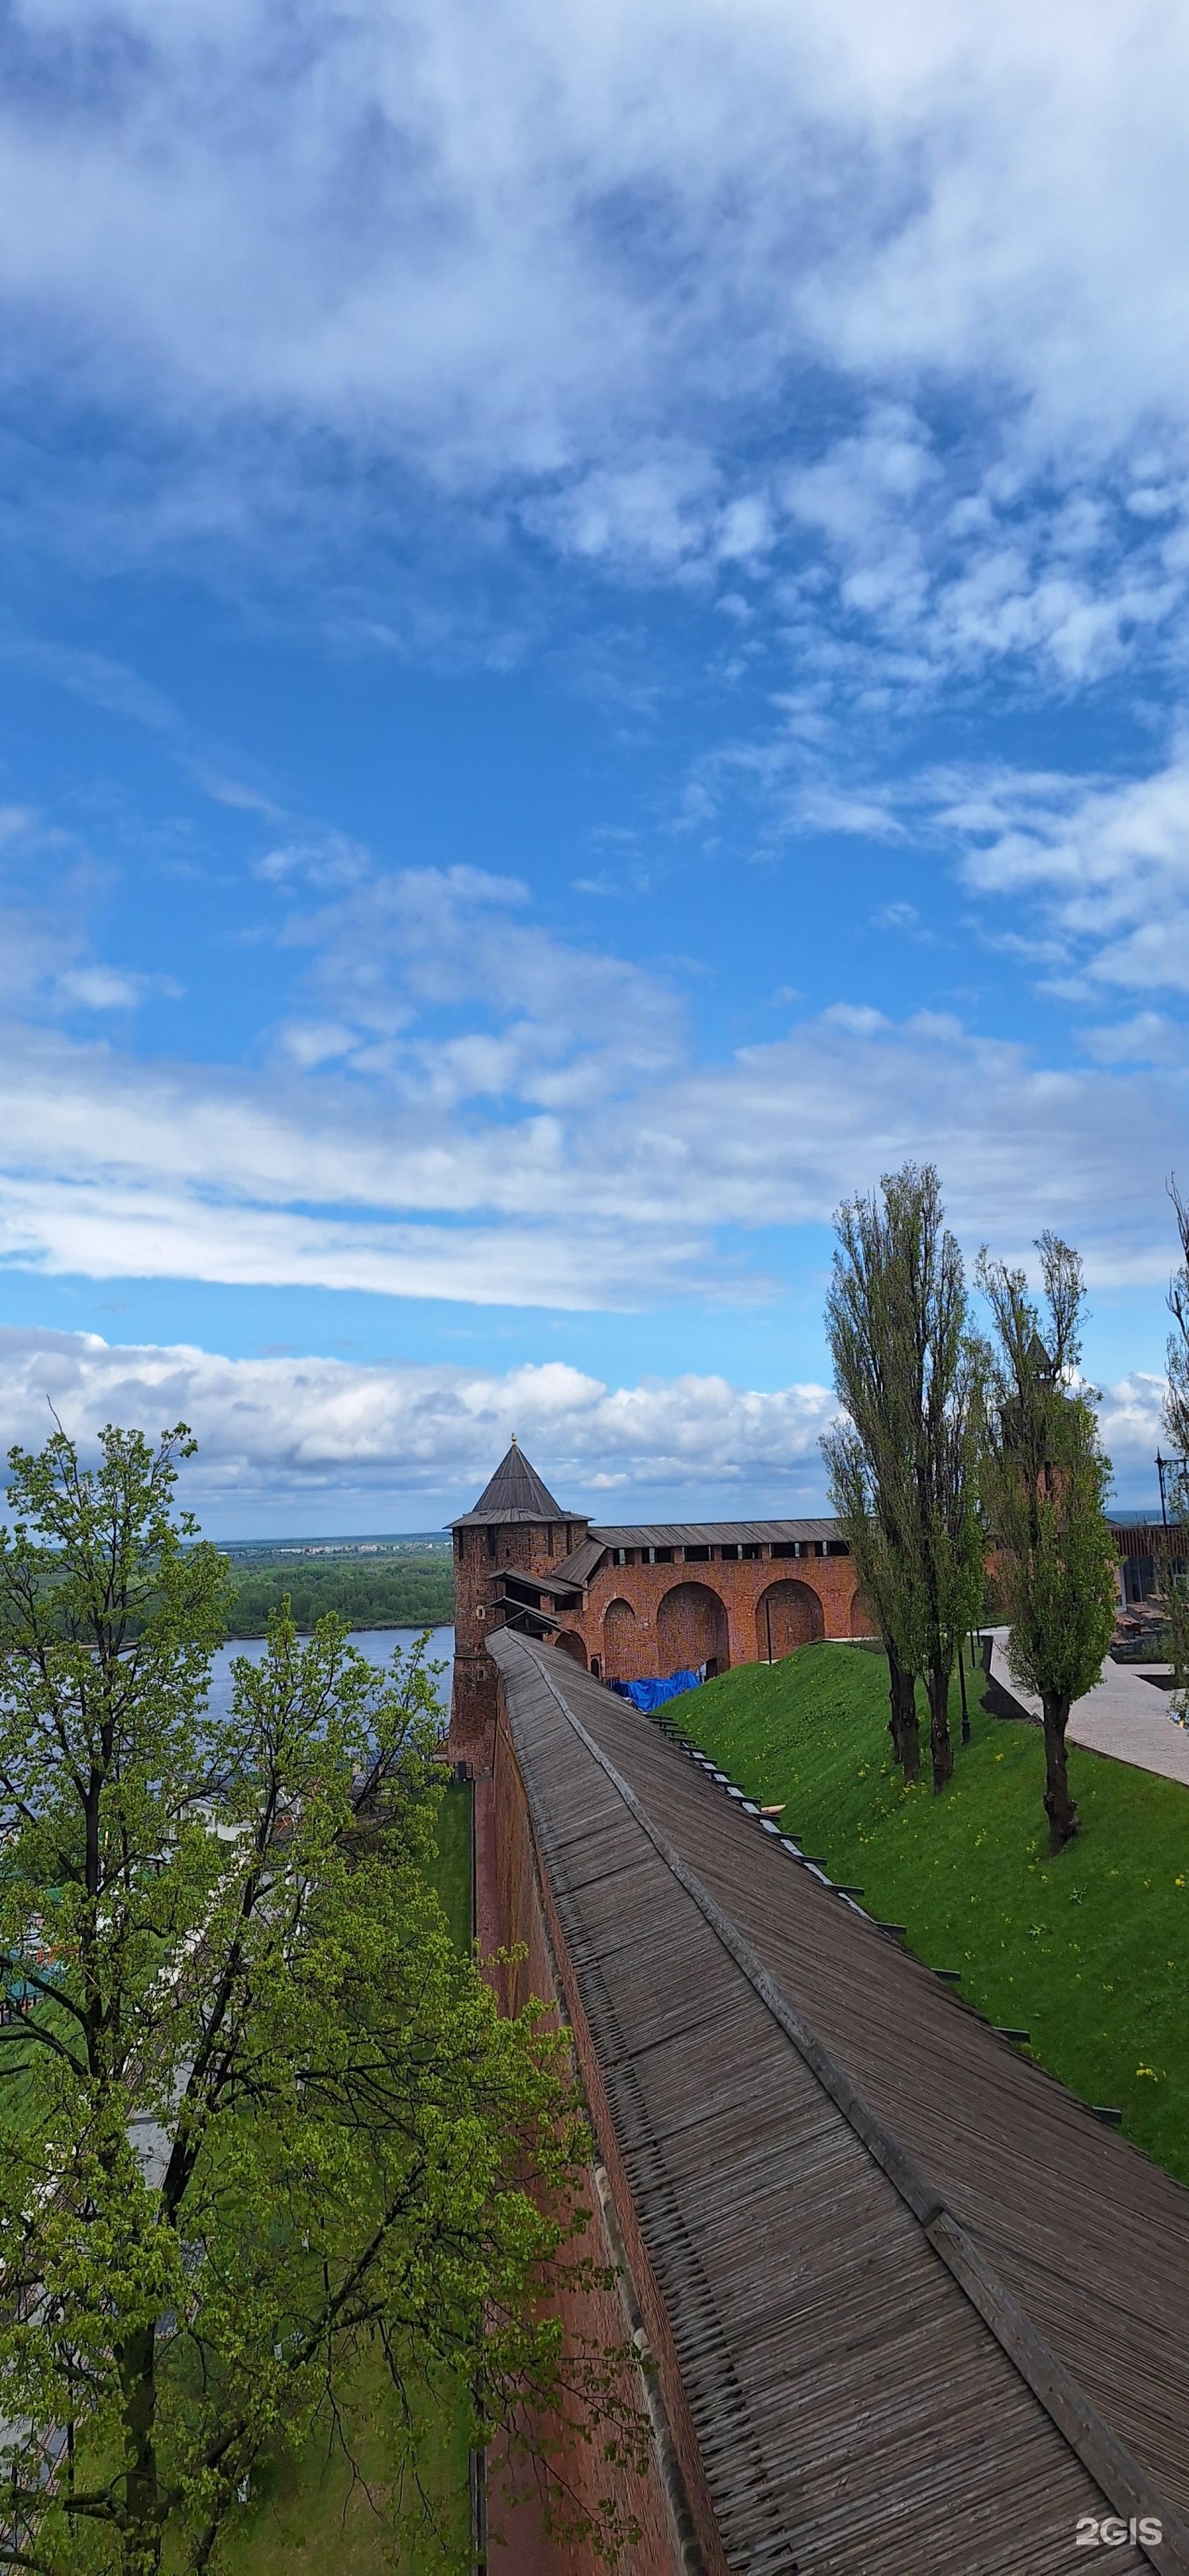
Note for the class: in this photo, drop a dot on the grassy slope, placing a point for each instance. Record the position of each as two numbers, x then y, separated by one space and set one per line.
1090 1953
310 2519
454 1862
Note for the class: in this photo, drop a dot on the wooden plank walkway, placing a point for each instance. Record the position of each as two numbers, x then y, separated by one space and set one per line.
913 2286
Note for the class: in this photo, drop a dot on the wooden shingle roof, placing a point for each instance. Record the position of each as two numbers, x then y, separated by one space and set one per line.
575 1569
927 2311
515 1493
710 1533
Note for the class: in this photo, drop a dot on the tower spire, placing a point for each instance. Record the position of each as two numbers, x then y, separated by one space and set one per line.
516 1492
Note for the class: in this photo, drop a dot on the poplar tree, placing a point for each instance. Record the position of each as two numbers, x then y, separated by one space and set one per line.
904 1474
1046 1481
1176 1429
866 1517
1176 1403
266 2136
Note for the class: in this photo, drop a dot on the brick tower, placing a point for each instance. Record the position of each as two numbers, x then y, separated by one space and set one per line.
515 1528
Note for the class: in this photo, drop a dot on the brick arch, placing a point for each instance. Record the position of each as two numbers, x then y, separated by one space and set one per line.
863 1622
691 1628
619 1642
787 1615
570 1643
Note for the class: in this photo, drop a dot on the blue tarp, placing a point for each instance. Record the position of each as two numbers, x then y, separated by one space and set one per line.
650 1695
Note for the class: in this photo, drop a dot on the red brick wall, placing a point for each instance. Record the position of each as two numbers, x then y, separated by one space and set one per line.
596 2313
638 1620
731 1626
532 1547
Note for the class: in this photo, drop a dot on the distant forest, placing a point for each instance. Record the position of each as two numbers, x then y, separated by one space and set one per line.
403 1592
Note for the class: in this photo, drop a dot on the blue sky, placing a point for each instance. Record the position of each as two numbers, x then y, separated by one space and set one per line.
593 652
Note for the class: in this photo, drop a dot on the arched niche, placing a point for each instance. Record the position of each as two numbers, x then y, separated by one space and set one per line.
788 1615
863 1622
691 1629
620 1645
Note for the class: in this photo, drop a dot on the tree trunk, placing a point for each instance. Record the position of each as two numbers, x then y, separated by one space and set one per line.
138 2381
895 1695
940 1744
910 1733
1064 1820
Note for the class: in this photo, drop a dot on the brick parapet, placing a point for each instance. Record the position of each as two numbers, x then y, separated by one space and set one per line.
592 2315
685 1606
655 1642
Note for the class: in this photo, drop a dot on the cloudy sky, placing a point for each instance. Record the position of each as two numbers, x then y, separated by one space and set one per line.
593 650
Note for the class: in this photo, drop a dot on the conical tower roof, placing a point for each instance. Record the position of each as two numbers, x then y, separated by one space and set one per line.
516 1493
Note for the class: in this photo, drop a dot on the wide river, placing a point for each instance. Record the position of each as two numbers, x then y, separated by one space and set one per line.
375 1643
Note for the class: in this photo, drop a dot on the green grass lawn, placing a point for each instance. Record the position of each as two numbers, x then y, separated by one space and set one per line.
312 2515
1089 1952
453 1873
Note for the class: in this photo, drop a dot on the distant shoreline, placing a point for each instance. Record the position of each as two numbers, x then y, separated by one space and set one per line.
369 1543
360 1627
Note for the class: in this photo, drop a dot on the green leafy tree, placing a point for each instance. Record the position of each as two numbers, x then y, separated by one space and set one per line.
1046 1481
1176 1428
885 1571
264 2129
405 1592
1176 1404
904 1471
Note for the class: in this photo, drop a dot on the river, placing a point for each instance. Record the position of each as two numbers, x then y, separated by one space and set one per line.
375 1643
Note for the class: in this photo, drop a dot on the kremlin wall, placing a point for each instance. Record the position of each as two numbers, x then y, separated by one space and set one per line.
631 1603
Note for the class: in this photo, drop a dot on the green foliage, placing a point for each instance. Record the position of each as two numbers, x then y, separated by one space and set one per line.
904 1468
1176 1409
323 2507
270 2135
414 1591
326 2501
1046 1479
1089 1951
1175 1583
452 1861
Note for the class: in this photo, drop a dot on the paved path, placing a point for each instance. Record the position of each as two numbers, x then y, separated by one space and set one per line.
1123 1715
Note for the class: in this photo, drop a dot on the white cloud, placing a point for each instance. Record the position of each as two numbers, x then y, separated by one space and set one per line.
1132 1431
424 208
110 1228
515 1011
1085 876
573 259
1104 863
496 1115
107 684
460 1103
304 1427
326 860
1147 1038
113 988
297 1429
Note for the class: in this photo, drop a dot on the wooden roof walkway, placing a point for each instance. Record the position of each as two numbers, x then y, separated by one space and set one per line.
928 2312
